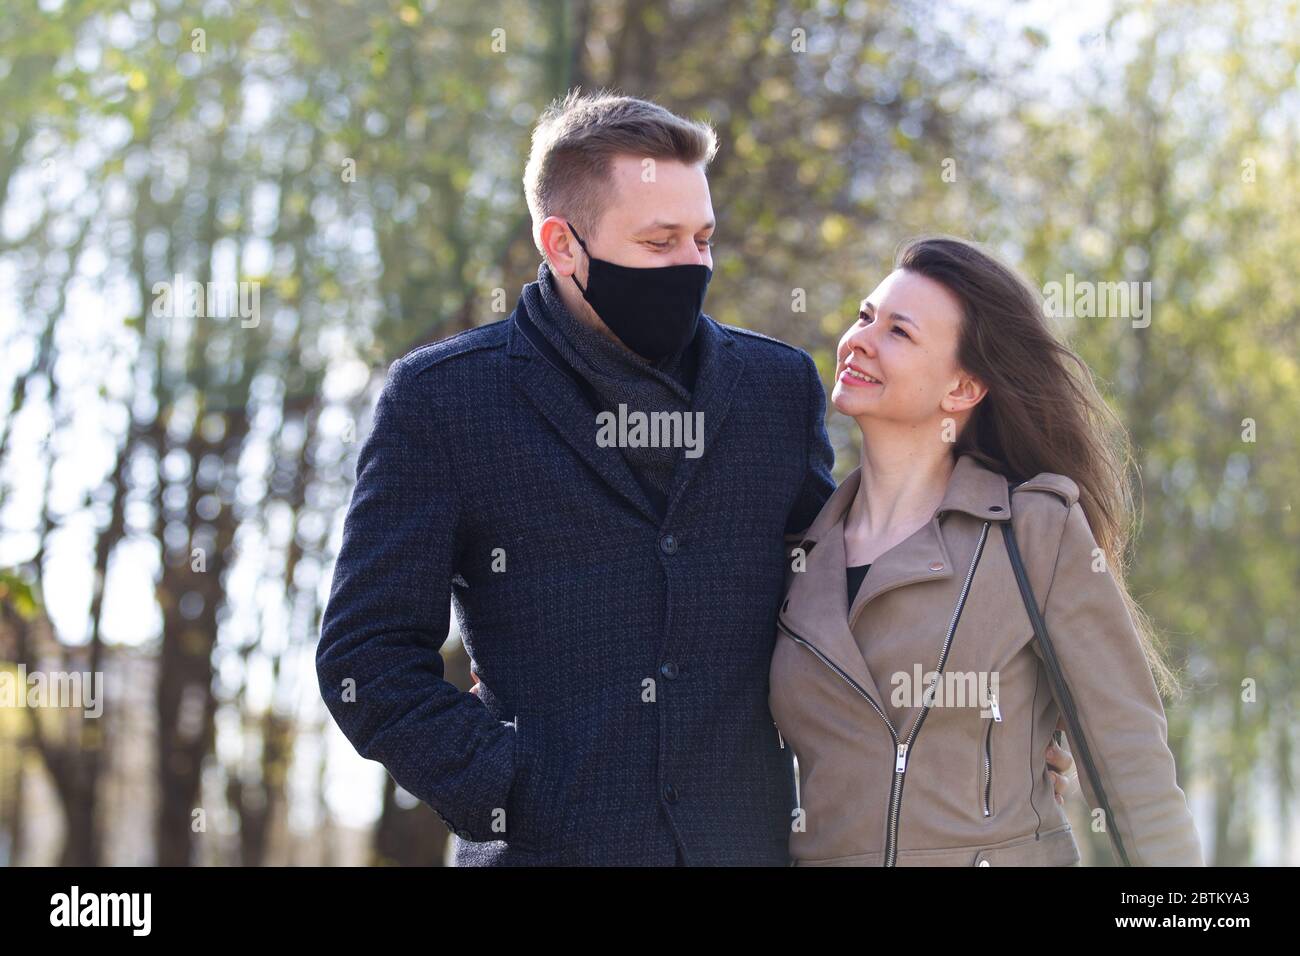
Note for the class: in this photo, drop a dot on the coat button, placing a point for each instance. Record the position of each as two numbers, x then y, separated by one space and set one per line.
669 670
995 508
668 544
985 863
670 793
936 565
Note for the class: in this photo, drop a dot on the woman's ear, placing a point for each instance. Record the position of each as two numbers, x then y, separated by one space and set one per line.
966 393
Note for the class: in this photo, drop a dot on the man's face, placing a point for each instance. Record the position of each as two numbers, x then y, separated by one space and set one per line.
659 213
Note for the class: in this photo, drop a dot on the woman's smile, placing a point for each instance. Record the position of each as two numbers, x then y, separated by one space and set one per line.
856 378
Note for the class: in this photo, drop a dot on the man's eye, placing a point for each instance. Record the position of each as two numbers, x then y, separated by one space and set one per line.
706 243
661 244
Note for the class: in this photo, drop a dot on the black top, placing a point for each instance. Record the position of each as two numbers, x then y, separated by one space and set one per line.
855 574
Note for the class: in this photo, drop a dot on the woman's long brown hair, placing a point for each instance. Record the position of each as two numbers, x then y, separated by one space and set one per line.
1043 411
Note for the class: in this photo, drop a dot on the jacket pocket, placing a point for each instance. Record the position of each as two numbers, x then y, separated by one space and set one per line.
1055 847
539 809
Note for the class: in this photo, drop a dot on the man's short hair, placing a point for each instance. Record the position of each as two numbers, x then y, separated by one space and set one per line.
568 172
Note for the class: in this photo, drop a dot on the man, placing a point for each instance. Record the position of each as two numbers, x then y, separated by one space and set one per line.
616 593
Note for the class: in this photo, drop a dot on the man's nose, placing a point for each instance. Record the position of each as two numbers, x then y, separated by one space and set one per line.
692 255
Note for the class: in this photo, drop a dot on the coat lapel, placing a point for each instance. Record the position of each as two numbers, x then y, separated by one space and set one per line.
925 555
715 385
921 557
559 399
818 607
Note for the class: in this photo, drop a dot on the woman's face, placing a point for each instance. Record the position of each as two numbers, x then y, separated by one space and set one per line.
905 339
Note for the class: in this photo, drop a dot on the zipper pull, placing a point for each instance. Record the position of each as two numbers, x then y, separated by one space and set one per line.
900 764
779 738
997 712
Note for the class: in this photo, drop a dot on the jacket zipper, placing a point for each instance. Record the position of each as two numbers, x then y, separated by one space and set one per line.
988 751
901 749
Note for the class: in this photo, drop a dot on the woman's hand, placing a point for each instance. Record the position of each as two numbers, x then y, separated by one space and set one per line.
1059 762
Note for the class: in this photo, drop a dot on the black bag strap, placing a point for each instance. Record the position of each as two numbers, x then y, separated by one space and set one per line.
1060 689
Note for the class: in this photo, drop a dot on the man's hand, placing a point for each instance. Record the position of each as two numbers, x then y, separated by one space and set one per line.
1059 763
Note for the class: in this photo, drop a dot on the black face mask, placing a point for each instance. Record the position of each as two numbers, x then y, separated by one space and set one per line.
654 312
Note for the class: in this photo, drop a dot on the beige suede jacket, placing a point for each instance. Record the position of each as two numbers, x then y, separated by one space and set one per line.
893 774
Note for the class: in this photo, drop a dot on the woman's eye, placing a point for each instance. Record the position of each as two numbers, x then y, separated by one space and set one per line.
706 243
899 330
658 244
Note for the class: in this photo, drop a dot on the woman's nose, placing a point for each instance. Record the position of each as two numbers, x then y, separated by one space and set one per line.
864 338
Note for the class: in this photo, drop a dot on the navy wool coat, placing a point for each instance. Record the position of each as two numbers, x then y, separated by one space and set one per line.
623 653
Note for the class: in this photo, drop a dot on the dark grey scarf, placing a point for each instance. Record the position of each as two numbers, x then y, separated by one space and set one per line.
617 374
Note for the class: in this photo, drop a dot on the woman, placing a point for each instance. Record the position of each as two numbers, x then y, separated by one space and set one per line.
917 699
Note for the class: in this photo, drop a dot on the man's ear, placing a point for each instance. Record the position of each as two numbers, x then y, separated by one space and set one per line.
558 247
967 392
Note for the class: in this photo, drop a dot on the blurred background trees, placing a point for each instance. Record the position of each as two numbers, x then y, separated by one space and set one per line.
172 486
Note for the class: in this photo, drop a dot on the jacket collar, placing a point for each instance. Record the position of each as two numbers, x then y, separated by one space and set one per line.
977 490
540 373
817 604
972 488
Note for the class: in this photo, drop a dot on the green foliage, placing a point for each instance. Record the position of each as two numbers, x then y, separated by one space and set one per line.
1167 155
